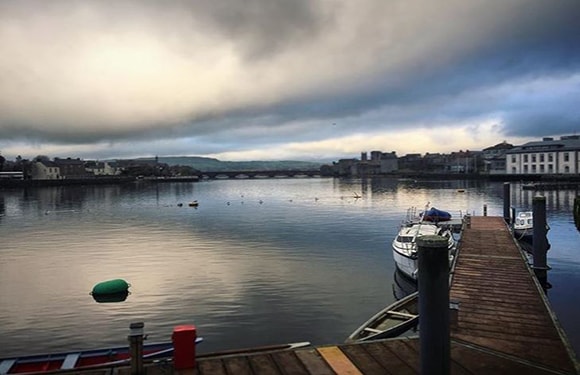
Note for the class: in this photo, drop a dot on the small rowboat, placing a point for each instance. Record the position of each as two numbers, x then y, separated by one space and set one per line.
392 321
83 359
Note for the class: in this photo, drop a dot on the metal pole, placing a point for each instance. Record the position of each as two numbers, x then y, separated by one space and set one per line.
506 202
136 347
485 210
434 305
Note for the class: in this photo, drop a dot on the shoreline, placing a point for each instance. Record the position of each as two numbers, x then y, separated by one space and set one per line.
539 181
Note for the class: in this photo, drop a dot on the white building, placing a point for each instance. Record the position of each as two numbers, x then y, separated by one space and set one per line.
98 168
548 156
45 170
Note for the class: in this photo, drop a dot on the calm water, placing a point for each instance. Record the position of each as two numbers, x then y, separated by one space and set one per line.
259 262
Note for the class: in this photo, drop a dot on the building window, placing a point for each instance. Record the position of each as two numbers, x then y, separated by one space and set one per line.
567 169
514 170
542 168
550 168
533 158
541 158
513 158
533 168
550 158
526 168
566 156
525 158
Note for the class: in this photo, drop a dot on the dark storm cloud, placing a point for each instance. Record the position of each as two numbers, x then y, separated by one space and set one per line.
263 27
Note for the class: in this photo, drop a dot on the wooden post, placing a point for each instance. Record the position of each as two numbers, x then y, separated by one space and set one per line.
506 202
485 210
434 305
540 241
136 347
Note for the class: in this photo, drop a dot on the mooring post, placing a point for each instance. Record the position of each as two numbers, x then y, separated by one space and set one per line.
485 210
434 305
540 241
506 202
136 347
183 338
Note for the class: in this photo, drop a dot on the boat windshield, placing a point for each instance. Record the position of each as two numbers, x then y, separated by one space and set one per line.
405 239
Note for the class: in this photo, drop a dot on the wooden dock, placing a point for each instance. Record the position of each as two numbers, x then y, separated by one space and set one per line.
504 325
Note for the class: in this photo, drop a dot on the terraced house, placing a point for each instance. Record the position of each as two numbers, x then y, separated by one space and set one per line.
548 156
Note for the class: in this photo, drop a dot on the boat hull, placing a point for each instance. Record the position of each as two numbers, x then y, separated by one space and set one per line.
407 265
392 321
82 359
526 234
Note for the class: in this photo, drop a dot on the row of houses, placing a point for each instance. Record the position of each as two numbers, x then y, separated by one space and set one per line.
548 156
57 169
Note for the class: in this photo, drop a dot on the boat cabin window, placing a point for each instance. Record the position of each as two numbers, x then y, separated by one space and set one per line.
404 239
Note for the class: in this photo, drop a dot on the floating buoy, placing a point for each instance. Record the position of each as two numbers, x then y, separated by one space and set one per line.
461 190
193 204
116 286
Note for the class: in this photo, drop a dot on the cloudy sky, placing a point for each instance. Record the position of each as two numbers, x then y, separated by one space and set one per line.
284 79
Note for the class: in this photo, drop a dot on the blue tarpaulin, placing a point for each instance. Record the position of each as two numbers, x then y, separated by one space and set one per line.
434 214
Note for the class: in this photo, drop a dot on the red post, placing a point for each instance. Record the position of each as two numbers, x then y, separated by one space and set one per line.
184 346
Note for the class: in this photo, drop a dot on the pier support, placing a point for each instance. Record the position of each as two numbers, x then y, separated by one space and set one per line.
434 305
540 240
506 202
136 347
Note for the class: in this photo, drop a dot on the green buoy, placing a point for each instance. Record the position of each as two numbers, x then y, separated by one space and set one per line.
115 286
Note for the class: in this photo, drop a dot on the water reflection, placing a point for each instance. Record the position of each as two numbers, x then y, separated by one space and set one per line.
2 207
300 259
402 285
111 298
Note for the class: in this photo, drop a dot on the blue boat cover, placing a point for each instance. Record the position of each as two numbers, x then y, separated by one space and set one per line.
436 215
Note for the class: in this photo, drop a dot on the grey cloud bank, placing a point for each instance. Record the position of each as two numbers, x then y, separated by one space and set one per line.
278 79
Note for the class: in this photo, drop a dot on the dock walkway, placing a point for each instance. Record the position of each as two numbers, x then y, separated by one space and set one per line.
504 326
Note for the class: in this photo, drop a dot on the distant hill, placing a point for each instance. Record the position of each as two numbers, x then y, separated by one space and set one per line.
210 164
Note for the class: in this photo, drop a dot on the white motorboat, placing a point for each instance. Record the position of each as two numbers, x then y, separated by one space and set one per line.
523 226
405 245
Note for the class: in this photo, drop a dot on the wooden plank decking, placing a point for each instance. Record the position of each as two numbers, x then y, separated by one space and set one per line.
504 326
502 306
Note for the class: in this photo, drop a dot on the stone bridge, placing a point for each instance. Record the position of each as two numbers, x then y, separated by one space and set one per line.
259 174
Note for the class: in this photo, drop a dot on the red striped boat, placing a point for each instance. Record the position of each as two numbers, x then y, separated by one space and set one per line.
83 359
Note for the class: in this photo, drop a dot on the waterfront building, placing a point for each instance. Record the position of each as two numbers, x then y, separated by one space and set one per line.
463 161
546 157
435 162
71 168
411 162
388 162
494 159
45 170
347 167
100 168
